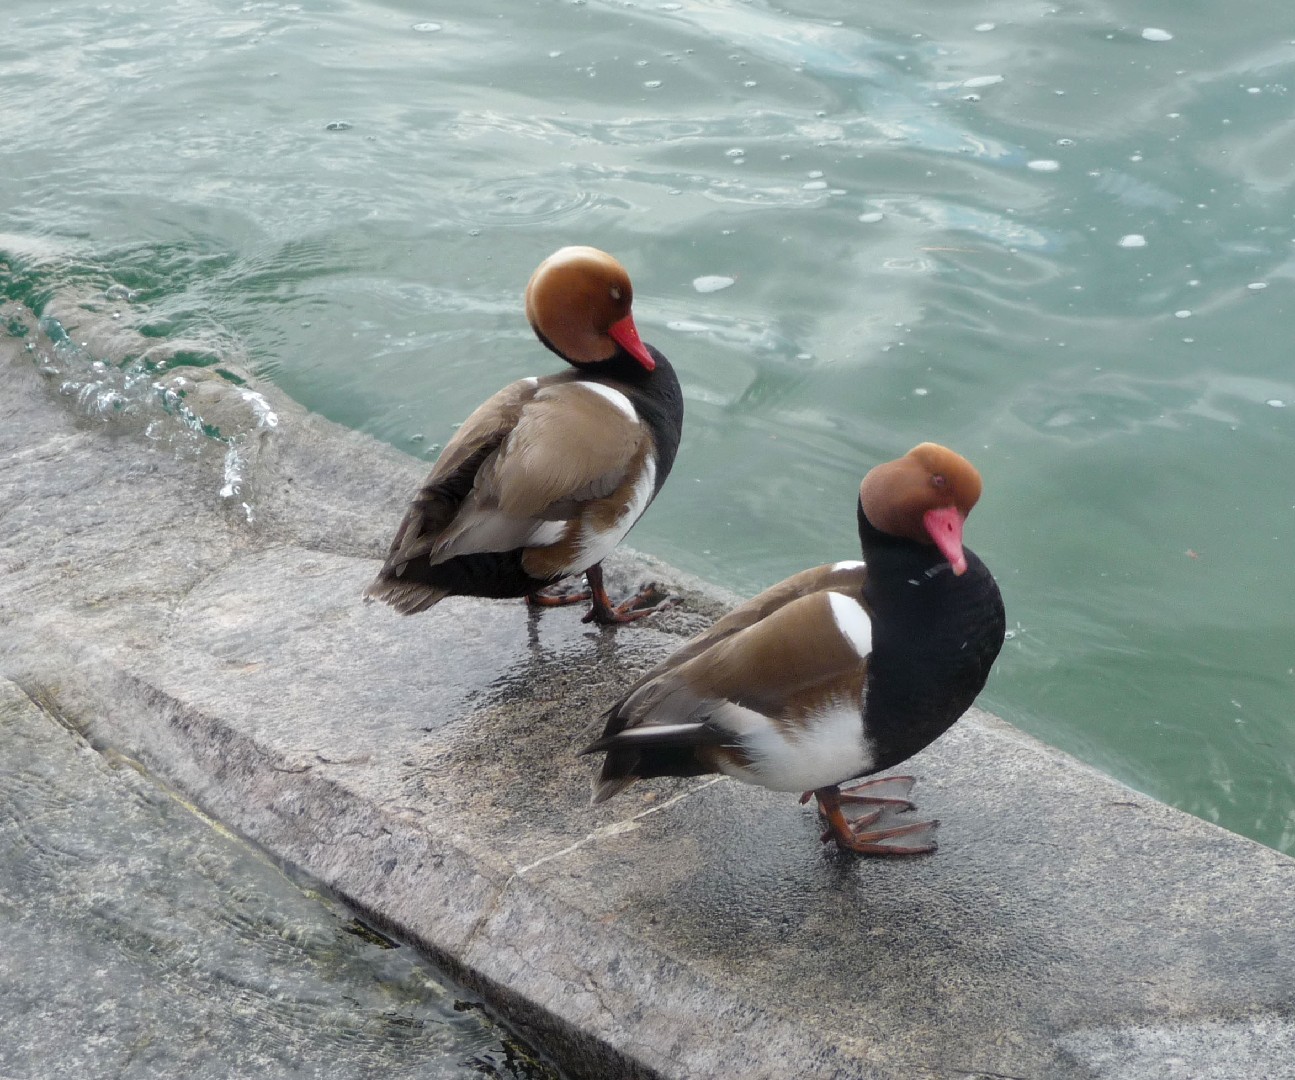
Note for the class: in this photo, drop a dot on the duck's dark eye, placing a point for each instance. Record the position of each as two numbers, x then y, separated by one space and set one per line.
937 480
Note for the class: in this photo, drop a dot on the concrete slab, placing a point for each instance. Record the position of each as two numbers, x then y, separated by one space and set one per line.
142 941
425 769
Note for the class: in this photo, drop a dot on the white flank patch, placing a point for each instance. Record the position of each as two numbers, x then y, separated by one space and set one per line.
828 749
598 545
614 396
531 380
546 533
852 621
848 564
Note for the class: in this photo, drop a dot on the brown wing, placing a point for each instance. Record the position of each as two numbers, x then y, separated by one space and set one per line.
787 660
777 672
453 476
845 577
571 445
521 466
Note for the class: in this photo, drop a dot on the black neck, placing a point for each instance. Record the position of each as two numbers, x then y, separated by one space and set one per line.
656 396
935 636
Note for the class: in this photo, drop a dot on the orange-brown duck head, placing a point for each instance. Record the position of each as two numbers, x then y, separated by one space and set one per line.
925 496
578 303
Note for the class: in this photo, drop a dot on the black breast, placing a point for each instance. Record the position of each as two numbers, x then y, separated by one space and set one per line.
935 637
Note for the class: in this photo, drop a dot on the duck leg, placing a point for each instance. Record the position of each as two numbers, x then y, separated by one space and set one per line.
541 598
892 791
856 836
637 606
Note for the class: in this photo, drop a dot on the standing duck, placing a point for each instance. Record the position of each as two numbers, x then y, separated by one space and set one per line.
546 477
837 672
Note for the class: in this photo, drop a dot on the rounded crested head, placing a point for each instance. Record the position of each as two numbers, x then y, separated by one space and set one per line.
925 496
578 302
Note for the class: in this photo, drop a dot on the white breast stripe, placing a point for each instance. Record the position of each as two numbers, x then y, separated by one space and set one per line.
852 621
614 396
848 564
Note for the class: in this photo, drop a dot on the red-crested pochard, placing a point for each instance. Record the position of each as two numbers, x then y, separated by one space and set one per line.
837 672
546 477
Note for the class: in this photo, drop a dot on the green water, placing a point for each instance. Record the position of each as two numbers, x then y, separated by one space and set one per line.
1033 232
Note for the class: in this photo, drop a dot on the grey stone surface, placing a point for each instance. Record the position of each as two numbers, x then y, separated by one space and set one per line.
425 768
141 940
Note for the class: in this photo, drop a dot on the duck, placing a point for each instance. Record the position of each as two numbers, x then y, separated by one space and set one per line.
836 673
545 478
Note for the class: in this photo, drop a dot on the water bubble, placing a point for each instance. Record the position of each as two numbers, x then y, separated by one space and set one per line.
711 283
983 28
1253 90
970 97
1184 314
1257 285
1043 165
1276 403
427 27
1133 240
814 185
652 84
737 151
982 80
1065 142
871 216
920 391
338 125
1152 33
815 174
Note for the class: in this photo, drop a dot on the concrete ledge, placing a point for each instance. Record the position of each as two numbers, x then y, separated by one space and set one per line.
424 768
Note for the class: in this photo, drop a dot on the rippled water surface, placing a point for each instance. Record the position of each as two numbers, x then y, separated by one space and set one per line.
1055 236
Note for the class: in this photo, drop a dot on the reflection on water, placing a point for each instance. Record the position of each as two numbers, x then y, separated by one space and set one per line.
928 219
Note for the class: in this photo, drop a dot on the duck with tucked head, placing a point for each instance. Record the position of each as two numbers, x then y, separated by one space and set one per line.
546 477
836 673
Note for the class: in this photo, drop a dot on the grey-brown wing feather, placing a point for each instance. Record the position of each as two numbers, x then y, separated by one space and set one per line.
453 477
531 455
